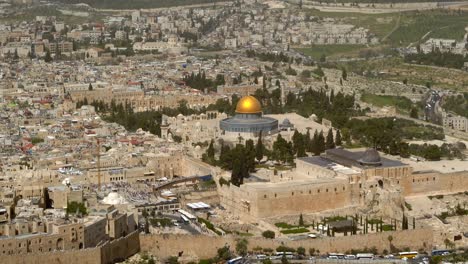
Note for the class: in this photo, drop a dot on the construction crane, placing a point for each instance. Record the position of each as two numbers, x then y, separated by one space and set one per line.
98 162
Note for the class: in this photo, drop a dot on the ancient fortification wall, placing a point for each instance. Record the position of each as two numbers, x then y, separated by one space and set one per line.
435 182
249 203
86 256
206 246
116 250
193 167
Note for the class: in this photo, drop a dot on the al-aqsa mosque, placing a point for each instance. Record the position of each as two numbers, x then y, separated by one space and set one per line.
248 120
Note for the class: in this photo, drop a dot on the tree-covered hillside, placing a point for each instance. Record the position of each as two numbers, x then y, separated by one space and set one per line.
138 4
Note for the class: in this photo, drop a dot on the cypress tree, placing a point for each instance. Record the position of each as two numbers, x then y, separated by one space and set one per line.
338 140
307 141
314 145
296 139
330 143
210 152
321 142
250 155
301 151
48 58
259 148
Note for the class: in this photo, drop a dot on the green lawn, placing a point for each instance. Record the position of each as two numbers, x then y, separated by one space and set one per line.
379 24
408 26
28 14
139 4
284 225
401 103
443 23
295 231
316 51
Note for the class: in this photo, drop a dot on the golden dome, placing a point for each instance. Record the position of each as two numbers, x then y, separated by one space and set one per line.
248 105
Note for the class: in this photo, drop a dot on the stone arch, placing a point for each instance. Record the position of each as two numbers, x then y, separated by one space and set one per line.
80 246
380 183
60 244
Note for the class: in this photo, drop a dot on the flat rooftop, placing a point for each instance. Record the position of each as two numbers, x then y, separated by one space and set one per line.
342 160
329 164
292 183
339 155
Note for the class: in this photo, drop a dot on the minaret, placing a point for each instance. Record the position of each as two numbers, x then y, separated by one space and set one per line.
282 94
466 34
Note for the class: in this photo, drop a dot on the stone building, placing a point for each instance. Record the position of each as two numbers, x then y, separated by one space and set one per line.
248 120
338 179
455 122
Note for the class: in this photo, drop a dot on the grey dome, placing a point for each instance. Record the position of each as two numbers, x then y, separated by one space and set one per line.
370 157
286 122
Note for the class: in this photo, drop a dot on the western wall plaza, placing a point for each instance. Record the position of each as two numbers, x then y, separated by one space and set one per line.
238 131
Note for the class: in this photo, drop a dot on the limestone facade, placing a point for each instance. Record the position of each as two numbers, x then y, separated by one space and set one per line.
319 184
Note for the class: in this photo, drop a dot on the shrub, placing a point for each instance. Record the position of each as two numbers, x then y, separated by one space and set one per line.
295 231
268 234
285 249
301 251
284 225
408 206
208 225
223 181
387 228
36 140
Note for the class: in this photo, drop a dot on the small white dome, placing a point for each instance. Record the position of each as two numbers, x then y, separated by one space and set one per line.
113 198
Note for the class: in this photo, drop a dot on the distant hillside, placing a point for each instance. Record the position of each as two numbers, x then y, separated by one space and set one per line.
370 1
138 4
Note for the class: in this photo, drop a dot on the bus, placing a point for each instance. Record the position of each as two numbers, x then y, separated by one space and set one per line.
408 255
440 252
188 215
336 256
288 255
185 220
235 260
365 256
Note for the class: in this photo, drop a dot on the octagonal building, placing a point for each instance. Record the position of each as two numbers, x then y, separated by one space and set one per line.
248 121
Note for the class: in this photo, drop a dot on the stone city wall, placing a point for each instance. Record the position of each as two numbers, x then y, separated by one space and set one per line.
202 246
85 256
193 167
116 250
251 203
432 181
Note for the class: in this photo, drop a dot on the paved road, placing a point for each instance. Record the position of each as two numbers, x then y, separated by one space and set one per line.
187 227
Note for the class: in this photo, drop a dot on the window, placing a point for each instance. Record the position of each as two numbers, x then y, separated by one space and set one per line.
326 190
265 196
